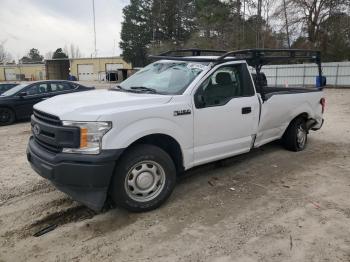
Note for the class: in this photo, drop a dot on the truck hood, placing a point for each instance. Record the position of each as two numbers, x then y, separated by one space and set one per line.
85 105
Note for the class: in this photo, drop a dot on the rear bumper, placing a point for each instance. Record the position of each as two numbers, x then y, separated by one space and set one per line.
317 126
85 178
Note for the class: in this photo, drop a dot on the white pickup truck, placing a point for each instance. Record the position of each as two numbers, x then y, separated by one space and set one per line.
129 143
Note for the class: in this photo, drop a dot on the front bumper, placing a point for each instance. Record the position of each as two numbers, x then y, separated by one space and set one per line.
85 178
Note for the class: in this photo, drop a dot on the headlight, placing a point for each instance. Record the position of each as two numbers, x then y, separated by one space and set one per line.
91 134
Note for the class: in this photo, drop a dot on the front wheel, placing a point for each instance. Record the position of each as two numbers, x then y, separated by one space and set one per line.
144 178
7 116
295 137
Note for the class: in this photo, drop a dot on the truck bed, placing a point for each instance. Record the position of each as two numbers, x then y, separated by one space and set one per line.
281 105
269 91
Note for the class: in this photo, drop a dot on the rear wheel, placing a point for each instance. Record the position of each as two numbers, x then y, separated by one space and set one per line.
295 137
7 116
144 178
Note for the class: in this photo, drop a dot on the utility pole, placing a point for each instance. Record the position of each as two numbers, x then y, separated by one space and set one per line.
93 13
287 25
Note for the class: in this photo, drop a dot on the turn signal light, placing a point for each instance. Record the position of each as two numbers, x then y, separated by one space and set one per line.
83 137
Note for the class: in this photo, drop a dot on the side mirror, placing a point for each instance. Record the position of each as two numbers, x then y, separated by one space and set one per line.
200 101
22 94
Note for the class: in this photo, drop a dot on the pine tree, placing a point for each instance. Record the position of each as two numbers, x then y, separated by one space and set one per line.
136 34
59 54
151 26
32 57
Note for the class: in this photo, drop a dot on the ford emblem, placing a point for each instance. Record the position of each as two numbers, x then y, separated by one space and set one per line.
36 130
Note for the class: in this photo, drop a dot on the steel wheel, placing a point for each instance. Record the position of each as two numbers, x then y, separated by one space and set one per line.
145 181
301 136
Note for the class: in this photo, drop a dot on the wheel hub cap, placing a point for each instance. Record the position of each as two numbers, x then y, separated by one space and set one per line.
144 180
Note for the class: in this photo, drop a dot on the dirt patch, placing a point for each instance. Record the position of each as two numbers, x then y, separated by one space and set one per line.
53 220
73 214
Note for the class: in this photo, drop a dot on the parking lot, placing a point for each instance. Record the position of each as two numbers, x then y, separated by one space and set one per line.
267 205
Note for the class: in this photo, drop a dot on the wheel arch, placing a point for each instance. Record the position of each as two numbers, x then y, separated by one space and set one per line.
304 110
303 115
165 142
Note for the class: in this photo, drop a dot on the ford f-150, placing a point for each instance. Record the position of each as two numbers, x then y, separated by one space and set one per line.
129 143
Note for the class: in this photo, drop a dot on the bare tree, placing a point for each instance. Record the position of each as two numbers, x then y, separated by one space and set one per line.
287 24
66 51
74 51
258 24
267 6
49 55
309 15
5 56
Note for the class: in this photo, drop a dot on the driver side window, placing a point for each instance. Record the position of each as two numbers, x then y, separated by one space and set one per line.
224 84
37 89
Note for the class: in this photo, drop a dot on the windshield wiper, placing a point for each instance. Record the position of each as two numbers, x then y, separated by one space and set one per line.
134 89
143 88
117 88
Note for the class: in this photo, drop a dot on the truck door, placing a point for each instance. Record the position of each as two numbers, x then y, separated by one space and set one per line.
226 114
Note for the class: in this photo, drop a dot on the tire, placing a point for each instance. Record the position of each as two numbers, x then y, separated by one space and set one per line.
7 116
295 137
144 178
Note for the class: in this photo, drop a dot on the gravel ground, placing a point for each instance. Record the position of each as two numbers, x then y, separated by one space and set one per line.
267 205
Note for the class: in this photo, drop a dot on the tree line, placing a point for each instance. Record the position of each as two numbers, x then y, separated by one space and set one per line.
34 56
153 26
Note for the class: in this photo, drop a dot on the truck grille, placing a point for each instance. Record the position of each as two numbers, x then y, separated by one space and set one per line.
50 134
51 148
51 119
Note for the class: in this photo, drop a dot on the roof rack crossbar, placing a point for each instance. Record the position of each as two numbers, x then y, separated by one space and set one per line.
255 57
193 59
263 53
193 51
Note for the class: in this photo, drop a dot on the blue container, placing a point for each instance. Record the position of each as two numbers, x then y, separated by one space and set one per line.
321 81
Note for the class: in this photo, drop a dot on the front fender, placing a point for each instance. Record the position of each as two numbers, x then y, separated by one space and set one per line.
124 137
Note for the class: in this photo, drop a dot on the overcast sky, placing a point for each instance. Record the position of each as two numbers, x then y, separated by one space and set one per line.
50 24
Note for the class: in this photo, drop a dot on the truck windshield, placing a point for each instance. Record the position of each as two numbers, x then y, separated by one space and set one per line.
164 77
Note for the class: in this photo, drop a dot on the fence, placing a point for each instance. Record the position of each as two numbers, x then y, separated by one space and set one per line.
338 74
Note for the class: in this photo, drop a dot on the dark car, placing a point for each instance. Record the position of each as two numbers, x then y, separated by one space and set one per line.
6 86
17 103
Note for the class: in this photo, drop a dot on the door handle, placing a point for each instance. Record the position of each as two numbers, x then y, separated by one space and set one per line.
246 110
